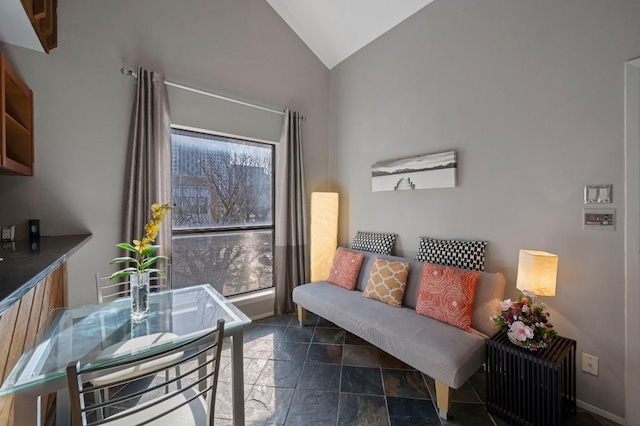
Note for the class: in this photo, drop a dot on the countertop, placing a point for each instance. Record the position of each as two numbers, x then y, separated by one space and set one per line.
22 268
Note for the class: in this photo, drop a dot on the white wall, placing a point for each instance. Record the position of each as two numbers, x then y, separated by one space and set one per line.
530 94
83 104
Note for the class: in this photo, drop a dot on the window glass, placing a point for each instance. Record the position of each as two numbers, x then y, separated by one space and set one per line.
222 189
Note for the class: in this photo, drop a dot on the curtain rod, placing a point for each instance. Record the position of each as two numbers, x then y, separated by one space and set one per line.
127 71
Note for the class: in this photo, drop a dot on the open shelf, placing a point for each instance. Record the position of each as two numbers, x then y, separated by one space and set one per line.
16 125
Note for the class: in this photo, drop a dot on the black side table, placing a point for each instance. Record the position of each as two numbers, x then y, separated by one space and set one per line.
528 387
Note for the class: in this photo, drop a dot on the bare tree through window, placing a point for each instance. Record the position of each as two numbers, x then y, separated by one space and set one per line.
223 215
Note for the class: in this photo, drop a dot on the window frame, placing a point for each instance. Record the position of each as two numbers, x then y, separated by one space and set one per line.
229 229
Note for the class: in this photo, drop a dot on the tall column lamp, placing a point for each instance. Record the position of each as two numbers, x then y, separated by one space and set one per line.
324 233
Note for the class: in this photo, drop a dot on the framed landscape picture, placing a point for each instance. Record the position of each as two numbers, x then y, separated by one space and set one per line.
421 172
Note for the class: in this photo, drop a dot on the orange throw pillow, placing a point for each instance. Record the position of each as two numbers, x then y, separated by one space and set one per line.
387 281
345 268
446 294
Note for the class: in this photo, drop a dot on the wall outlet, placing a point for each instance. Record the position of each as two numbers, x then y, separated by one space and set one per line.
590 364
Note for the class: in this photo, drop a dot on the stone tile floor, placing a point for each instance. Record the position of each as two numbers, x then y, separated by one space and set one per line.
323 375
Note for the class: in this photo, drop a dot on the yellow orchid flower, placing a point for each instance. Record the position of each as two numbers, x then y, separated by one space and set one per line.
141 246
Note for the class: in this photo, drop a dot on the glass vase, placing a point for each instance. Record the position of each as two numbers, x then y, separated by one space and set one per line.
139 296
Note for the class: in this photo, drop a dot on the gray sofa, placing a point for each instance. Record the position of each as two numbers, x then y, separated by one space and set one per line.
444 352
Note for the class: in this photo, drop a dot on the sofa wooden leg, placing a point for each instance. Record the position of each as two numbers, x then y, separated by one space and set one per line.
443 397
302 315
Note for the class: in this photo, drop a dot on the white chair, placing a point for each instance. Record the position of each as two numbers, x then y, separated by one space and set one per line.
192 404
109 291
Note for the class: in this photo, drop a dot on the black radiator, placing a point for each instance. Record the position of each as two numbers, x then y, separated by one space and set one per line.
531 388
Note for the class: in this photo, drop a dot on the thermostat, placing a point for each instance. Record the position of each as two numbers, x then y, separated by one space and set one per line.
599 219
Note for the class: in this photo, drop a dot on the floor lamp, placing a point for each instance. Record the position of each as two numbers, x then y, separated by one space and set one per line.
324 233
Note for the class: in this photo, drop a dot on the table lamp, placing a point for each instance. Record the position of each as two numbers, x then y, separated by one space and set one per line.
537 271
324 233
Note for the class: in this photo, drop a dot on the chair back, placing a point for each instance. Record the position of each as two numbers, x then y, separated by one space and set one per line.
107 291
195 384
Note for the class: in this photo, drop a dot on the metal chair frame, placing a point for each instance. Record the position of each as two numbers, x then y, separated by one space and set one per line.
122 288
80 373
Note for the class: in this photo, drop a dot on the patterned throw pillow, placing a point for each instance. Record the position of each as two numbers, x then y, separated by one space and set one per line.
345 268
446 294
374 243
387 281
456 253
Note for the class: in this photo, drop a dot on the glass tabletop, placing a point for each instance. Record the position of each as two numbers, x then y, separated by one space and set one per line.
83 333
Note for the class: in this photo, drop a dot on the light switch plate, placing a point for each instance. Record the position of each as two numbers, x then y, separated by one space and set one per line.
598 194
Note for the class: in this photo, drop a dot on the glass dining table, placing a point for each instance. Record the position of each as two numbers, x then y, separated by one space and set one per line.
81 333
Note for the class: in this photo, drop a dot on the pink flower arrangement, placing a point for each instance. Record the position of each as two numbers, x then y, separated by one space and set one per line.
526 322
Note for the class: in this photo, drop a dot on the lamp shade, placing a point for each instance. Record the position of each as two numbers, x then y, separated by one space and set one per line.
324 233
537 271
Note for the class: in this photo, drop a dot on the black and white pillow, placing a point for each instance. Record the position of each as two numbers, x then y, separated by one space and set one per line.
456 253
373 242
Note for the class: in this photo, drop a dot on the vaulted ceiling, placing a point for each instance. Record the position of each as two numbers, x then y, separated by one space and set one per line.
336 29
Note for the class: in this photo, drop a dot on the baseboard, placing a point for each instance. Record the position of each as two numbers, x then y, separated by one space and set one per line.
255 305
595 410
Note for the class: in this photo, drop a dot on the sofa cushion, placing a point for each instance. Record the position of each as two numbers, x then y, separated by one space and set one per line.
345 268
387 281
443 352
374 242
446 294
457 253
489 290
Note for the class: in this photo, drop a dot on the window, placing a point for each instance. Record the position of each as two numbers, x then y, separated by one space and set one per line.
222 188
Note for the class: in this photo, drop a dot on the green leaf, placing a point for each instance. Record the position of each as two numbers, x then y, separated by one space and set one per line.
150 261
125 259
127 246
123 273
157 271
151 250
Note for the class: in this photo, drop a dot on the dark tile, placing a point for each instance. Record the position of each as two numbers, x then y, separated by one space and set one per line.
464 393
252 369
362 410
293 333
326 354
404 383
352 339
325 324
267 404
462 414
224 400
329 335
290 351
479 383
283 374
584 418
389 361
313 407
362 380
408 407
268 332
605 422
259 348
320 377
413 421
361 356
282 320
310 321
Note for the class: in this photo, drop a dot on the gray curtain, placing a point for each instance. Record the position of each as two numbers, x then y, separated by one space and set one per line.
291 255
148 172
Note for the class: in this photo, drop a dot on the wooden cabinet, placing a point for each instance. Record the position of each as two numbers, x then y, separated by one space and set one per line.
16 123
43 17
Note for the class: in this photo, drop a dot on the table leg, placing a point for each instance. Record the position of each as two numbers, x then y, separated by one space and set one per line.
26 410
63 409
237 377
